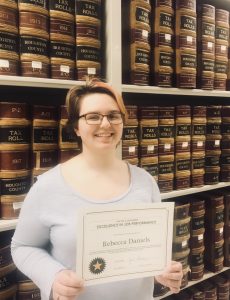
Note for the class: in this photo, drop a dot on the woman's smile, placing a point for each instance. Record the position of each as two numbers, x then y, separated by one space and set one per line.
104 134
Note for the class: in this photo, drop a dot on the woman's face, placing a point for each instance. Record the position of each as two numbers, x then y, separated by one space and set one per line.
103 136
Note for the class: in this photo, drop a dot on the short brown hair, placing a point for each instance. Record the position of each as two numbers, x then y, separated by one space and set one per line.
77 93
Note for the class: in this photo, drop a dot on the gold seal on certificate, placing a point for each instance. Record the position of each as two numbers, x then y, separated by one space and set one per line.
117 242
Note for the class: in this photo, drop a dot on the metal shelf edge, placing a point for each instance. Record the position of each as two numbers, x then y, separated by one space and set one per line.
6 225
194 190
126 88
38 82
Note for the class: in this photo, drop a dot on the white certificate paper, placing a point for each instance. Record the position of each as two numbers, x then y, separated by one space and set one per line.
124 242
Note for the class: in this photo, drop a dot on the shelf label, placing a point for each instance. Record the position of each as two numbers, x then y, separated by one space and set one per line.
4 63
17 205
91 71
200 237
145 33
184 244
132 149
168 37
223 48
184 144
150 148
200 144
210 45
36 64
189 39
64 69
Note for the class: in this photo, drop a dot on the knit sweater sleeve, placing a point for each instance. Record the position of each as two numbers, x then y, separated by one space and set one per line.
30 244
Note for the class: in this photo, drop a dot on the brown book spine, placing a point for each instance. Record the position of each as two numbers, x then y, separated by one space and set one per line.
45 128
162 42
88 39
227 208
221 49
139 29
206 46
66 138
186 54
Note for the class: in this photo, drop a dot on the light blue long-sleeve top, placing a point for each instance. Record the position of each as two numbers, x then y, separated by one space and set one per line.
44 241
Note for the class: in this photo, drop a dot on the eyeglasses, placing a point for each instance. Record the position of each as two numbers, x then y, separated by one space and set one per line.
114 118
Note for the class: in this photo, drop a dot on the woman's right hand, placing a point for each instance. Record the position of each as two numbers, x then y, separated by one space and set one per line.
67 285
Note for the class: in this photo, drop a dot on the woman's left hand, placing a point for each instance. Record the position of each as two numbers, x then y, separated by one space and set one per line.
171 277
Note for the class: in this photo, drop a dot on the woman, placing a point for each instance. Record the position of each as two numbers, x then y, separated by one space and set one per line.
44 243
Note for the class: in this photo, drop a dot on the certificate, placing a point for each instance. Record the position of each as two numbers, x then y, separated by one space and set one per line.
124 242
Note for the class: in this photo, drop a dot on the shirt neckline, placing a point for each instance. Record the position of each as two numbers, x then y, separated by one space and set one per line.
95 201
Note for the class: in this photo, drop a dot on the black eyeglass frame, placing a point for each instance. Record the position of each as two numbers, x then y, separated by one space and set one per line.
102 117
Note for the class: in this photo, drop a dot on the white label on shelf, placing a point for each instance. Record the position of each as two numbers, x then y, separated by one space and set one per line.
132 149
200 143
145 33
217 142
150 148
91 71
184 244
4 63
17 205
64 69
200 237
221 230
36 64
184 144
223 48
210 45
189 39
167 146
168 37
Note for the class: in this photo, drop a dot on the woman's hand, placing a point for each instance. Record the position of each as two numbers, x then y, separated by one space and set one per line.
171 277
67 285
